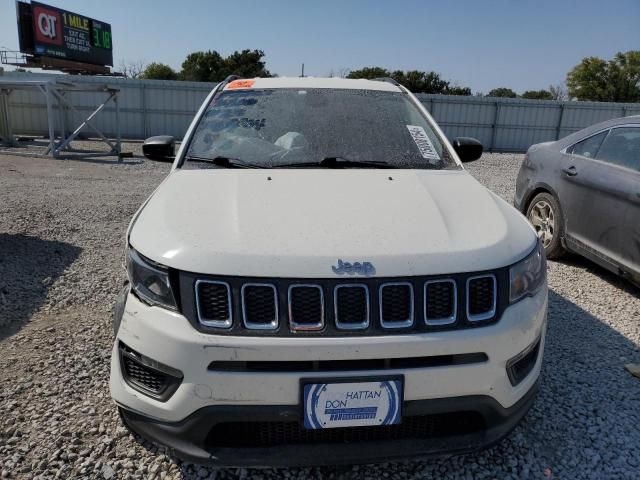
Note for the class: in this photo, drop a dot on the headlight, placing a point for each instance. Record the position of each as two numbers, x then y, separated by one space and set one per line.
149 280
527 276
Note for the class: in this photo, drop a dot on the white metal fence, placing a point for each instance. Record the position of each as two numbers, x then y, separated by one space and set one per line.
159 107
514 124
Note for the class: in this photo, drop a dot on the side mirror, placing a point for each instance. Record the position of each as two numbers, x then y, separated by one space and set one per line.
160 148
467 148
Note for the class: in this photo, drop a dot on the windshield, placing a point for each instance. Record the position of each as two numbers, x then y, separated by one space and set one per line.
273 128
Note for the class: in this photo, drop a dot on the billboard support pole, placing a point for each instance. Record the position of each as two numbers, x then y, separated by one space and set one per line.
118 144
6 135
50 120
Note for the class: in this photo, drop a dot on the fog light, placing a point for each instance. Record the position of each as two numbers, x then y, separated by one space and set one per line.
521 365
148 376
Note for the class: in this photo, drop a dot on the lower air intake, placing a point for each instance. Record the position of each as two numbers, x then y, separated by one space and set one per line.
270 434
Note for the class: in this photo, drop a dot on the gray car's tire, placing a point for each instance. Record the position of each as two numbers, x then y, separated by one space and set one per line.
544 213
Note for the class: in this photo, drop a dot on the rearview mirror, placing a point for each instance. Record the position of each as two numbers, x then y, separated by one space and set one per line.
467 148
160 148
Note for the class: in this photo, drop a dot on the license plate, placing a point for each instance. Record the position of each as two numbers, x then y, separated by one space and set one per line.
352 404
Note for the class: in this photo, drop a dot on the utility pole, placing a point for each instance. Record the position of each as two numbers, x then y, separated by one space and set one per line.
302 70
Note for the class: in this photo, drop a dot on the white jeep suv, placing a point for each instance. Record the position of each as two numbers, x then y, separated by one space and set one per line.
318 280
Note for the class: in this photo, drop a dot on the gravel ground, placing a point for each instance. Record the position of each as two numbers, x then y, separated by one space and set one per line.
62 225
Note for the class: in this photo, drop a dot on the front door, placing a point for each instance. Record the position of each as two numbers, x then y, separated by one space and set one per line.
601 189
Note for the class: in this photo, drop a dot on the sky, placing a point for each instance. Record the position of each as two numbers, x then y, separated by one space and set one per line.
520 44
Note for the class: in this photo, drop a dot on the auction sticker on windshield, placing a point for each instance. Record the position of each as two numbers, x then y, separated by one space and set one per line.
240 84
427 150
352 404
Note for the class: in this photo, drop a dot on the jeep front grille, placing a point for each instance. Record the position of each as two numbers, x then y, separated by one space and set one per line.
334 307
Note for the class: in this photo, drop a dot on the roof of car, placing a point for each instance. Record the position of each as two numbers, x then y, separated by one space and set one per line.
313 82
588 131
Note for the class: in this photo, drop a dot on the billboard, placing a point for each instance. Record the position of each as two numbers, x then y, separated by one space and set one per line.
58 33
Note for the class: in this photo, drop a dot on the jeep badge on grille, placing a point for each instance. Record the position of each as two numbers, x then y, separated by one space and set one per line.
356 268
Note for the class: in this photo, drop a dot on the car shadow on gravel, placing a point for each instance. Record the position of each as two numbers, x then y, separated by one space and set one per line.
582 263
28 267
585 418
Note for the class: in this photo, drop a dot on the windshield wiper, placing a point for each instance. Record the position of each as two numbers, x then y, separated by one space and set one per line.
226 162
338 162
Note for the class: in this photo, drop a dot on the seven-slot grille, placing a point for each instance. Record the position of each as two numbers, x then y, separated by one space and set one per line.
331 306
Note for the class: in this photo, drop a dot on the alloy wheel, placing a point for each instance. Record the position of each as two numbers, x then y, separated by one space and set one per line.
542 218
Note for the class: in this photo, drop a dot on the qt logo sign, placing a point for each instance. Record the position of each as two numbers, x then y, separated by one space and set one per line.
48 28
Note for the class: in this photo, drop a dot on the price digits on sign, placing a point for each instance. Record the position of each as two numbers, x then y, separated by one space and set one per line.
101 38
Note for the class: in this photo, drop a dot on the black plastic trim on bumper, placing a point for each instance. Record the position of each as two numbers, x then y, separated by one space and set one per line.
186 439
172 377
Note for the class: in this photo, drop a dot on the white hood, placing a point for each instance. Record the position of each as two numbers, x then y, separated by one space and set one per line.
299 222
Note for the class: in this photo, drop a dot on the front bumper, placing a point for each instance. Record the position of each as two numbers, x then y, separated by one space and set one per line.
205 398
189 438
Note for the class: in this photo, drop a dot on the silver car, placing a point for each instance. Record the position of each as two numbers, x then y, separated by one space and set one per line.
582 194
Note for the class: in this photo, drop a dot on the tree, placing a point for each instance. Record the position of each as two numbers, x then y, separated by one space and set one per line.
344 72
210 66
502 92
625 76
421 82
616 80
558 92
340 73
538 95
589 80
247 63
132 69
414 80
466 91
369 73
158 71
203 67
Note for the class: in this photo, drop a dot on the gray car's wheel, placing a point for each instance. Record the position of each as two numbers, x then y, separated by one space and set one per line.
546 217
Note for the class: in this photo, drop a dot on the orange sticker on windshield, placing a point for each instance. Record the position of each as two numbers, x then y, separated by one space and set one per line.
240 84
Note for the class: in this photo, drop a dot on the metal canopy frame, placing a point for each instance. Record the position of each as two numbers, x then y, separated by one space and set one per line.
55 93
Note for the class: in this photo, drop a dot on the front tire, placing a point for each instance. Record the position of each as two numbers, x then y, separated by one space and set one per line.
545 215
